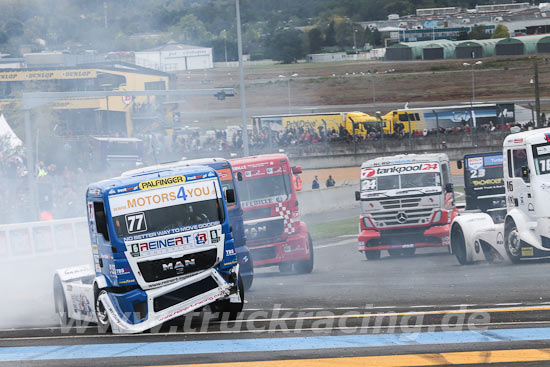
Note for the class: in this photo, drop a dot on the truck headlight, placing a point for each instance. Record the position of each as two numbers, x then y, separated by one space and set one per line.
367 223
437 216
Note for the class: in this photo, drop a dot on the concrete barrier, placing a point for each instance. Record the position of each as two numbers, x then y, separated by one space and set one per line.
328 199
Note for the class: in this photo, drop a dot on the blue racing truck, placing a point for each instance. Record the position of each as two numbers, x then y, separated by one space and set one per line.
234 208
162 247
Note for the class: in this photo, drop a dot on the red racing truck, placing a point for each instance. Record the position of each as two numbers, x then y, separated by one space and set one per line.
407 201
274 232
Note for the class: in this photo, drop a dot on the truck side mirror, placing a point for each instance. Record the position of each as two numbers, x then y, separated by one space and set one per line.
239 176
524 172
296 170
230 195
449 187
459 164
357 196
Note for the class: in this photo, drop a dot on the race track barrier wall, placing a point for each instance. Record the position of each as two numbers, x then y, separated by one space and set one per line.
328 199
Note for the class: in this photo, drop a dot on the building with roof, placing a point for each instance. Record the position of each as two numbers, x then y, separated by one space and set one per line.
525 45
423 50
473 49
175 57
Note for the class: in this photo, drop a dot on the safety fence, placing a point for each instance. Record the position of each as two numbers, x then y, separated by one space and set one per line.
26 240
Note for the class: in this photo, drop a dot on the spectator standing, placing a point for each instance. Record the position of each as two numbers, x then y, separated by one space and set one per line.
330 181
315 183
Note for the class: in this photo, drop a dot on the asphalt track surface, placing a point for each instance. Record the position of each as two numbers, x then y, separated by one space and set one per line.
422 310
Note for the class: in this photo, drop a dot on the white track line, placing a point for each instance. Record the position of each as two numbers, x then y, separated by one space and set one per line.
392 327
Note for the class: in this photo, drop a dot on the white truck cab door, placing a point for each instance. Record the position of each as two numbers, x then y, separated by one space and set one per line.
518 181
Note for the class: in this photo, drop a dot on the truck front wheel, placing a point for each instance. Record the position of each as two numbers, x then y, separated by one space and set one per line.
225 306
306 266
60 302
372 254
101 313
458 244
512 242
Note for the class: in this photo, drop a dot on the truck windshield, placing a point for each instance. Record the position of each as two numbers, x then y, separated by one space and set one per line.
541 155
168 218
405 181
273 186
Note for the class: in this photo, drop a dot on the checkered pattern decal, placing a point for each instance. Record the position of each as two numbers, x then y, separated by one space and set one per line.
284 212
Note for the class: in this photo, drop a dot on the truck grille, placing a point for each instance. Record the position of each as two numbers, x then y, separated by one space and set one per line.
263 230
400 203
161 269
402 217
263 253
183 294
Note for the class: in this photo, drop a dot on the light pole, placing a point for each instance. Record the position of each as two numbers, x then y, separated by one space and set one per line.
372 72
225 45
288 86
473 78
354 41
241 78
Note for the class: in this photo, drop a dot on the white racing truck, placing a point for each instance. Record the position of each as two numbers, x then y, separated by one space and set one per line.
525 232
407 201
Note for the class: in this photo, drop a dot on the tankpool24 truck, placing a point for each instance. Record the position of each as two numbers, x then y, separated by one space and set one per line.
525 232
407 201
274 233
161 246
234 209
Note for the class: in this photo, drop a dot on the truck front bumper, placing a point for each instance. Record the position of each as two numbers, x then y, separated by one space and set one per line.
160 301
294 248
436 236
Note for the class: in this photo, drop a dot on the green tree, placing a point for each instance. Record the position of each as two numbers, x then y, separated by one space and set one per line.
330 35
13 28
377 37
462 35
501 31
315 37
479 32
191 30
286 45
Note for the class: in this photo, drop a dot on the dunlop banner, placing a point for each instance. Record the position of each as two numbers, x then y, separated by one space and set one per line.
18 76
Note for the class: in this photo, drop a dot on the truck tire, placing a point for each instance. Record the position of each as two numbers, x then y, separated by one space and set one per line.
306 266
458 244
512 242
409 252
247 282
372 254
103 323
233 309
285 268
60 302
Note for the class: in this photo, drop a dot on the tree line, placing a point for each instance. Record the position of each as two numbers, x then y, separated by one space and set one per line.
282 30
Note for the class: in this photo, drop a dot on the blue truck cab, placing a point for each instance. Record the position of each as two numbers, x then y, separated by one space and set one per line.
228 181
161 246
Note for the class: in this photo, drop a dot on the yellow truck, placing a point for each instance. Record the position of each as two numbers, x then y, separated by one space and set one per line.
356 123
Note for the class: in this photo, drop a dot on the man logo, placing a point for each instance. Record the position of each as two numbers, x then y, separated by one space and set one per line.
401 217
178 265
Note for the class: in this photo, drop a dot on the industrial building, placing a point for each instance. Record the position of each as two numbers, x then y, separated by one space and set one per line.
176 57
447 49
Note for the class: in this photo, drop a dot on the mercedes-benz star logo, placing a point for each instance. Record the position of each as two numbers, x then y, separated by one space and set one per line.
401 217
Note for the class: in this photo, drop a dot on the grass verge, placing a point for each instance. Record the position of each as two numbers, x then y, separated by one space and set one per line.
332 229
